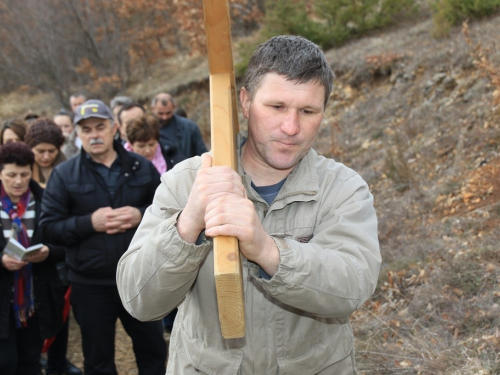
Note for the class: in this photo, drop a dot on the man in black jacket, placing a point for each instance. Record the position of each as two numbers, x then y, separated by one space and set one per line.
93 204
176 130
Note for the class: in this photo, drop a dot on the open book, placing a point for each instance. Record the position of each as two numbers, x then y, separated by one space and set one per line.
18 251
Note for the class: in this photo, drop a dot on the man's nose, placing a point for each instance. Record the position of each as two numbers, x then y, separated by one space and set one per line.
290 124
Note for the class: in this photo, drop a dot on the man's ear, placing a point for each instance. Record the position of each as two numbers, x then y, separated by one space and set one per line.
245 102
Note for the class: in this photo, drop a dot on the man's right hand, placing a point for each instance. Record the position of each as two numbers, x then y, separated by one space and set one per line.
210 183
100 218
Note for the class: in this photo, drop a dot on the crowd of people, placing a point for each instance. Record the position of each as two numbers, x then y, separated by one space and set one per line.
79 183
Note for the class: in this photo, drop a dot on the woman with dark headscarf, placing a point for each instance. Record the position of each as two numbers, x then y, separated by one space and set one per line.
31 294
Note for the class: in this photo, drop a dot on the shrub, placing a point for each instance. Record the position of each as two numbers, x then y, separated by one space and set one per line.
328 23
345 18
447 13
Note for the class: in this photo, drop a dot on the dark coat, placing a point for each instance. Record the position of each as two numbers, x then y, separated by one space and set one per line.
189 140
49 291
171 154
74 192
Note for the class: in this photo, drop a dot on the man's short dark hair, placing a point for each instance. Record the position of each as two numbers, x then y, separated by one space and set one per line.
126 107
119 100
77 95
294 57
162 98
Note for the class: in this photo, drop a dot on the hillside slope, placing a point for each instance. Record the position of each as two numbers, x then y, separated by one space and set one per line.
415 117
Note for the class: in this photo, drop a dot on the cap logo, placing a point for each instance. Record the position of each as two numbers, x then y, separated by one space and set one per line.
93 107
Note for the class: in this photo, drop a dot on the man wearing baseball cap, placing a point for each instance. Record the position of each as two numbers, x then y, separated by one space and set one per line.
93 204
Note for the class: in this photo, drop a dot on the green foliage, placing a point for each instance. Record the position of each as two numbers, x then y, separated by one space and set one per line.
328 23
285 17
346 18
451 12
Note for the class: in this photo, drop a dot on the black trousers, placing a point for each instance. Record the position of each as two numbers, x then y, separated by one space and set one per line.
56 355
96 309
20 351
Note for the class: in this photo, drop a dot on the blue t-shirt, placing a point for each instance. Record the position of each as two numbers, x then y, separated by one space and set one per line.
268 193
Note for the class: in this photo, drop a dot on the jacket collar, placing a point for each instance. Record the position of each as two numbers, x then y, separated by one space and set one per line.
302 182
128 160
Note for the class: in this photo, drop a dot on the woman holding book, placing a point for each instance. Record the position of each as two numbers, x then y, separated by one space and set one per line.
31 293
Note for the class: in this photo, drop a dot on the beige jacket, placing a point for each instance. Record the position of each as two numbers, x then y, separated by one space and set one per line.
325 227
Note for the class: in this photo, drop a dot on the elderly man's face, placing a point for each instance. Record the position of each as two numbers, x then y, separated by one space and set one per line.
97 136
283 120
76 101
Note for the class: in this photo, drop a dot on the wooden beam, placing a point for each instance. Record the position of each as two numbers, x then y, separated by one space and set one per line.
224 128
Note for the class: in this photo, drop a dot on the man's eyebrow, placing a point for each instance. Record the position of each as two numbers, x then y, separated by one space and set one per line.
280 103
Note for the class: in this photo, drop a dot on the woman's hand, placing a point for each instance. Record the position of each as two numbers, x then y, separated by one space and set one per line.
39 256
11 263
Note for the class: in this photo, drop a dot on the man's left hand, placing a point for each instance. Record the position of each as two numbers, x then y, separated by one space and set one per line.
232 215
123 218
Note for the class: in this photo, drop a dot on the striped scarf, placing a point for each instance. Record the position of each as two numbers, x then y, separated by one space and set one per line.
24 300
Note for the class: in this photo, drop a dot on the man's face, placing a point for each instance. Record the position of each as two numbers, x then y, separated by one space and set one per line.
75 102
126 116
163 112
96 135
283 120
65 123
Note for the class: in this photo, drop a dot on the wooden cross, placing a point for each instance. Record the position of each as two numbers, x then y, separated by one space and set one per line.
224 128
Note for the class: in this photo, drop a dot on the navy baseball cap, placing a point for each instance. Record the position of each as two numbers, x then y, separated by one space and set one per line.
92 108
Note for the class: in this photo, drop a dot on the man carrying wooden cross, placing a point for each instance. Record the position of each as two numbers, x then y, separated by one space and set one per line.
306 227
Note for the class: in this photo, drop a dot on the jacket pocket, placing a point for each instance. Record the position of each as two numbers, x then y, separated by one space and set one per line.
82 198
194 348
308 344
90 260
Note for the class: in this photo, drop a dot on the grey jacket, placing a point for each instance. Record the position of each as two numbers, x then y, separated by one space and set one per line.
325 227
